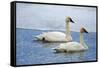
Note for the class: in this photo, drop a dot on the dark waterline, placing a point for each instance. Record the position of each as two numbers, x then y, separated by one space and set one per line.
31 51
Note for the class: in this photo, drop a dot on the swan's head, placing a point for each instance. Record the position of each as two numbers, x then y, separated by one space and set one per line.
83 30
69 19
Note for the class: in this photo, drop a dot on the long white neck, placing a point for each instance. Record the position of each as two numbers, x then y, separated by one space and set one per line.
68 29
82 40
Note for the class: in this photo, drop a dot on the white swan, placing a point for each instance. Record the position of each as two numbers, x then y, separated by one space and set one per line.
55 36
73 46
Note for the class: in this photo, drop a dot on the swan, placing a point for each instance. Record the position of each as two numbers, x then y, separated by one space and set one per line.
56 36
73 46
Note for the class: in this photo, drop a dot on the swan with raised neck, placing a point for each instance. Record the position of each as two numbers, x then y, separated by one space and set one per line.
73 46
56 36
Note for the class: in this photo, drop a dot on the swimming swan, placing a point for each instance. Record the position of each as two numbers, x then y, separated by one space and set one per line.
73 46
55 36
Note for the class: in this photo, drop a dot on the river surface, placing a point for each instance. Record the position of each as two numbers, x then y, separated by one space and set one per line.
31 51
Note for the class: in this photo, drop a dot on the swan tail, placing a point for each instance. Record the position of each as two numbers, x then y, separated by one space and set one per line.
59 50
37 37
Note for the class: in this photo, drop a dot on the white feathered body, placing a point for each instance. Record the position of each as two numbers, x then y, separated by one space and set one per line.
54 36
70 47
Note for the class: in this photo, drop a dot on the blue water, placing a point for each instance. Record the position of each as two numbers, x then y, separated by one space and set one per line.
31 51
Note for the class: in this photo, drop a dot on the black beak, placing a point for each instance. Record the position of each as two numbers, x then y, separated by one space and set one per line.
86 31
71 20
